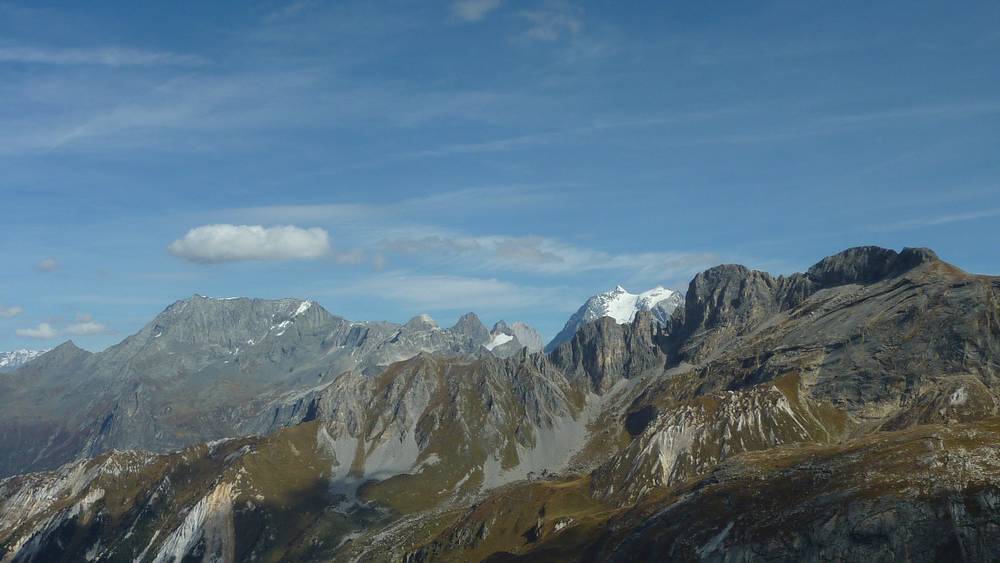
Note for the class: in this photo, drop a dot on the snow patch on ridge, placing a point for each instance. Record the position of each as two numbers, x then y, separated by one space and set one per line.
498 340
622 306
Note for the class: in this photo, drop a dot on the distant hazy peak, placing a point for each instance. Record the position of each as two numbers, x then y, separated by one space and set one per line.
422 321
508 339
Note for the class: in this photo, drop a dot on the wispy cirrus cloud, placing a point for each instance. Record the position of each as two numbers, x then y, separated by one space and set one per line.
554 20
436 244
843 123
289 10
162 112
405 210
572 133
938 220
822 125
546 255
957 109
458 293
474 10
104 56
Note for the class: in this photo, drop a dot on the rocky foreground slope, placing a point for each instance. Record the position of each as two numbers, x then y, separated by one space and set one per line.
848 412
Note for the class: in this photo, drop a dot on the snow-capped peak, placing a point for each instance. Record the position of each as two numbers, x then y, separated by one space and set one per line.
622 306
648 299
618 304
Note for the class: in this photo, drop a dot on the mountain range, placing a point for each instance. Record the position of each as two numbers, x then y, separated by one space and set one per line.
207 369
848 412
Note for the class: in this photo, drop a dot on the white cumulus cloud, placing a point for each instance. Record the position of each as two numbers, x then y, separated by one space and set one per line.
211 244
43 331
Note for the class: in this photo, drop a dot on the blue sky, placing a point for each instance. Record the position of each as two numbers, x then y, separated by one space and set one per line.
510 158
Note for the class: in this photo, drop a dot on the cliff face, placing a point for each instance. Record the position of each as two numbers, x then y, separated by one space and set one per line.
868 330
729 301
604 352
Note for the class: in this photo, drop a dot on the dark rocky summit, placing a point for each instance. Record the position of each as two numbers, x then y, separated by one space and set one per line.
470 326
604 352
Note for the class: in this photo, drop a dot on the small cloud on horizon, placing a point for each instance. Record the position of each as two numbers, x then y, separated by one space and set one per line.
43 331
48 265
84 325
10 312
